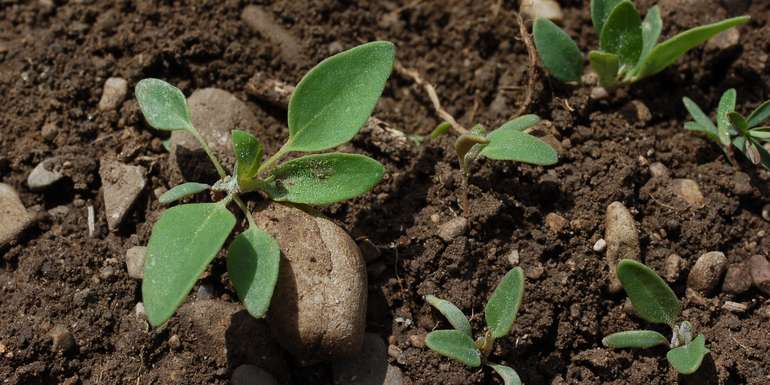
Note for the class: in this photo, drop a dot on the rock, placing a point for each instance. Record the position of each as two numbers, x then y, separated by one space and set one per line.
417 340
45 174
252 375
135 261
61 339
115 90
760 273
513 257
139 311
600 245
14 215
549 9
214 113
555 222
262 22
643 113
671 267
535 272
174 342
370 367
205 291
49 131
599 93
452 229
724 40
318 310
688 190
766 212
737 279
735 307
622 240
659 170
707 271
121 184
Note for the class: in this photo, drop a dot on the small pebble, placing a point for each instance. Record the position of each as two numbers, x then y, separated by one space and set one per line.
417 340
62 340
689 191
599 93
513 257
135 261
452 229
707 272
115 90
106 272
760 273
139 310
549 9
435 218
44 175
394 351
672 266
735 307
724 40
659 170
766 212
15 216
622 240
174 343
205 291
535 272
600 245
737 279
555 223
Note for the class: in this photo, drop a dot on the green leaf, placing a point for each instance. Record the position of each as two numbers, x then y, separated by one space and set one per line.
163 105
699 116
687 359
641 339
558 52
455 316
711 135
761 133
666 53
248 154
455 345
726 105
600 10
651 28
510 377
182 191
508 143
334 100
441 129
521 123
500 311
324 178
606 65
653 300
622 34
738 122
467 142
183 242
252 262
754 152
759 115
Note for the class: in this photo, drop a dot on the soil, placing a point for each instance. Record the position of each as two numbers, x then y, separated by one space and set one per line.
56 55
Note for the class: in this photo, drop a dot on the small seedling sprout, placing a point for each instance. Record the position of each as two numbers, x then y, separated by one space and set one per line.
328 107
655 302
499 314
628 46
733 130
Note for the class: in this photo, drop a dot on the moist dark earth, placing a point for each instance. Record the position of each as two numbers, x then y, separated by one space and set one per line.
56 55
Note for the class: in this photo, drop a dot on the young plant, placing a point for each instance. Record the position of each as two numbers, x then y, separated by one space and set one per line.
655 302
499 313
328 107
628 46
733 130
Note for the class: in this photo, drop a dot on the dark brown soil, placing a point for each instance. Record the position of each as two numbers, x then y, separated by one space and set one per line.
55 57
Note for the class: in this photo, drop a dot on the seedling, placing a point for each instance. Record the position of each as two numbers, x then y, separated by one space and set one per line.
499 313
655 302
328 107
628 47
733 130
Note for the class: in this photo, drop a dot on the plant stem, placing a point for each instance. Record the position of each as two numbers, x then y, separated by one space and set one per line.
212 157
271 161
433 96
245 210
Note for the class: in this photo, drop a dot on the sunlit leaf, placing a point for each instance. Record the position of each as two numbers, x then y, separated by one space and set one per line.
622 33
688 358
521 123
500 311
455 316
641 339
558 52
699 116
163 105
759 115
252 262
509 376
653 300
712 135
606 66
651 28
248 154
181 191
508 143
600 10
726 105
455 345
738 122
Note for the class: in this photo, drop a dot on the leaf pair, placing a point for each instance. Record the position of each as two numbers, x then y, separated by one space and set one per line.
499 313
628 48
654 301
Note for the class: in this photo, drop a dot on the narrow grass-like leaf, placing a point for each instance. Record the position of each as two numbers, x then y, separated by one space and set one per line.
252 262
666 53
622 33
163 105
641 339
698 115
248 154
510 377
738 122
759 115
600 10
651 28
455 316
508 143
455 345
324 178
500 311
181 191
558 52
653 300
687 359
726 105
606 66
762 133
183 242
711 135
441 129
334 100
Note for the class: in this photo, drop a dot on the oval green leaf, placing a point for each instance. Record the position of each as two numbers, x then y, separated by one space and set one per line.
181 191
248 154
558 52
726 105
252 262
666 53
334 100
759 115
163 105
698 115
651 28
606 66
600 10
500 311
508 143
510 377
324 178
622 34
455 345
521 123
183 242
688 358
653 300
640 339
455 316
